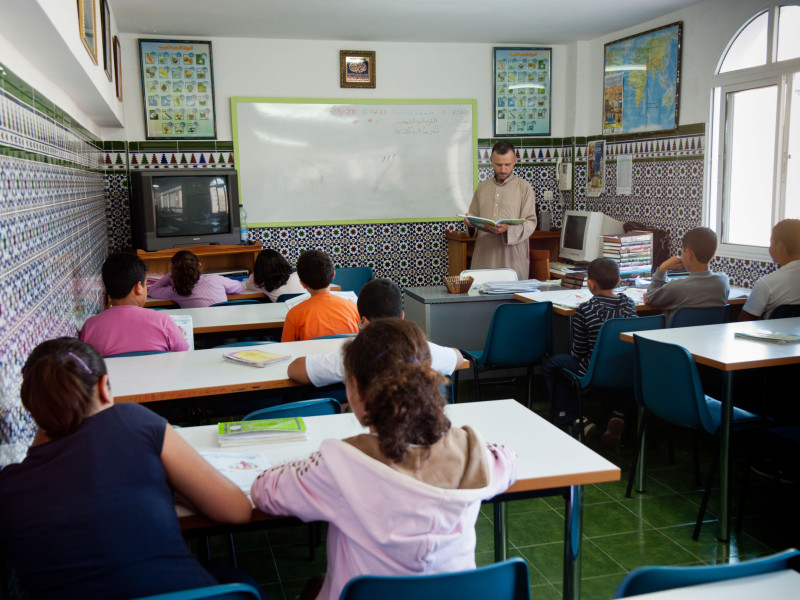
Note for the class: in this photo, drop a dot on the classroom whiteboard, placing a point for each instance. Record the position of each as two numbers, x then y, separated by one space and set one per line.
322 161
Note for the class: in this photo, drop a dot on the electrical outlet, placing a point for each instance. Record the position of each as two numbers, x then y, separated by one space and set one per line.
548 195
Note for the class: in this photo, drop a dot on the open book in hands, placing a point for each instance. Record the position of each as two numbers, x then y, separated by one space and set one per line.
481 222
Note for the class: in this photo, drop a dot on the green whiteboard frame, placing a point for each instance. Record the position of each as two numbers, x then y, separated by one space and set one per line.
236 100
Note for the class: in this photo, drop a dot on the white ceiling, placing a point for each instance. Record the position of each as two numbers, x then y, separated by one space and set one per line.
460 21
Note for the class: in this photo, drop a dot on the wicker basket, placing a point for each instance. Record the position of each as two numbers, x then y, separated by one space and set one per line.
456 284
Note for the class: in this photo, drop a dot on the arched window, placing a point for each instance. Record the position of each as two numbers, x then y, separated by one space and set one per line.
754 162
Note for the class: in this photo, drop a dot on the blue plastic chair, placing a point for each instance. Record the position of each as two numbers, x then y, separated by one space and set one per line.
668 387
353 278
784 311
237 302
335 335
285 297
690 316
302 408
520 335
507 580
655 579
611 365
227 591
246 343
140 353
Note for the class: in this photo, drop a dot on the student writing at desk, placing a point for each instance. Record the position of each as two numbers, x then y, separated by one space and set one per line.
504 196
781 286
379 298
184 285
126 326
323 313
404 498
90 512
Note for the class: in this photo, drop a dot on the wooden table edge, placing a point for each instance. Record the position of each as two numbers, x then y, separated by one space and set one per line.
207 391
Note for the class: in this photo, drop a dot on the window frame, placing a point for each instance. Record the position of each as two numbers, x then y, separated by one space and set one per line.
780 74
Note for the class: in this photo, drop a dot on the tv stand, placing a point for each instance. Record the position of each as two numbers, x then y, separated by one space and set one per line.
213 257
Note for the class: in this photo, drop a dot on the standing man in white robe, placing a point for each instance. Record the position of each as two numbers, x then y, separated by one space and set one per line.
504 196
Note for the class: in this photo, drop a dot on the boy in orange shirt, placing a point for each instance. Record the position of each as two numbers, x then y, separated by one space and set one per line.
323 313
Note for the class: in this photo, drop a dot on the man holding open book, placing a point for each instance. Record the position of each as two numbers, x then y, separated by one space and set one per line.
504 197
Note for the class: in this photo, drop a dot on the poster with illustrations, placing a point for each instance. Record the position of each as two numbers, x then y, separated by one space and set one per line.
522 91
177 89
595 168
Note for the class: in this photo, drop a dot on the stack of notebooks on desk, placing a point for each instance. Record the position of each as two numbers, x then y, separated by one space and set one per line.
575 280
634 253
244 433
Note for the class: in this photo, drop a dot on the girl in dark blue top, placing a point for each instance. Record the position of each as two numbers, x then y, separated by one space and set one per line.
90 511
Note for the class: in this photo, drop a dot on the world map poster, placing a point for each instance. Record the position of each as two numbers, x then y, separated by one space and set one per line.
641 82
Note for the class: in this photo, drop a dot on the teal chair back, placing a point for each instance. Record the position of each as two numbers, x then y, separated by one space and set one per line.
237 302
669 385
507 580
690 316
333 336
352 279
785 310
285 297
227 591
654 579
611 365
519 335
303 408
140 353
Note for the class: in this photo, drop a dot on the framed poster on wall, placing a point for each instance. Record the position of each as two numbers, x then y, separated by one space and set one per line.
522 91
641 82
595 168
177 89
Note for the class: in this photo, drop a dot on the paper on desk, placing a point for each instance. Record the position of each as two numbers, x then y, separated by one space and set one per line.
509 287
241 468
305 296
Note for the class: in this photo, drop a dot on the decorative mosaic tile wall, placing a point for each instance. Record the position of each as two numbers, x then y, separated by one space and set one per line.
667 193
52 239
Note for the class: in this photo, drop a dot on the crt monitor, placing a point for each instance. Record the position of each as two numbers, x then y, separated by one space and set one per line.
581 234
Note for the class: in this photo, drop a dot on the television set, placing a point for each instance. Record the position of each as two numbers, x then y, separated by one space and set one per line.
172 208
581 234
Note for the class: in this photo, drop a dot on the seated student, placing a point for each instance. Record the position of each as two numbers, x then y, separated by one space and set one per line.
378 299
603 277
323 313
403 498
701 287
126 326
781 286
273 275
184 285
90 512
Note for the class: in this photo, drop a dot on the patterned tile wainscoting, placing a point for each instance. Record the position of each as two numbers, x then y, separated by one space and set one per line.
52 239
667 193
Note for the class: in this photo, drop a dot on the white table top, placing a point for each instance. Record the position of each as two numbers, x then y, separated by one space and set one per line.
235 318
775 586
549 458
173 375
716 346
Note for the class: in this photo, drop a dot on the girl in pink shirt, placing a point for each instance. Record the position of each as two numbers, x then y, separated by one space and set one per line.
184 285
403 497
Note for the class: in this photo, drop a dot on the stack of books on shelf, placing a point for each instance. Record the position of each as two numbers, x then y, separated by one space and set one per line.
575 280
634 253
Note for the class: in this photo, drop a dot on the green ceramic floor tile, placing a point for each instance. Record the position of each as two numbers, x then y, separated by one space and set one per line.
663 511
530 505
293 563
652 487
530 529
650 547
600 588
259 565
282 536
610 518
484 530
548 559
251 540
545 592
710 550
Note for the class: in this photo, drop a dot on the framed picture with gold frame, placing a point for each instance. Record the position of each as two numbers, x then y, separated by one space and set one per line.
87 22
356 69
105 27
117 68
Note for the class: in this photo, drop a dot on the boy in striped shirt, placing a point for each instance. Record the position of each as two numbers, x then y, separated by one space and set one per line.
603 277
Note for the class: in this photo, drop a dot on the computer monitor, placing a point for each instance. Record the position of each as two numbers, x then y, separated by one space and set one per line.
581 234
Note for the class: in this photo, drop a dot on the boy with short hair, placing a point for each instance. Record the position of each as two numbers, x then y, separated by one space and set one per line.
781 286
126 326
603 277
701 288
323 313
379 298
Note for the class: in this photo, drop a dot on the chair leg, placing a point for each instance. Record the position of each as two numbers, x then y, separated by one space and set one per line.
232 548
706 495
637 456
528 390
454 383
742 496
477 383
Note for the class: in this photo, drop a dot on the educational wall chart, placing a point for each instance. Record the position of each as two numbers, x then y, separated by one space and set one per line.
177 89
522 91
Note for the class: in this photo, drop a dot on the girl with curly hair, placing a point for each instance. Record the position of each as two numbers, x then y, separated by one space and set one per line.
273 275
185 286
